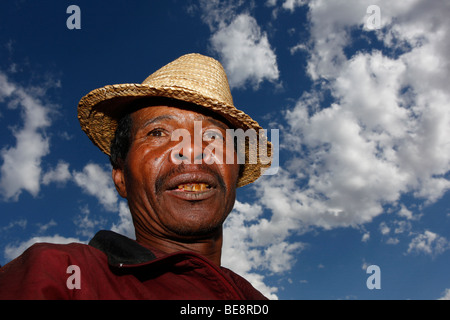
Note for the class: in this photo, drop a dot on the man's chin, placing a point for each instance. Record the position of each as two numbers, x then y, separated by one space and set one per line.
193 233
189 218
195 222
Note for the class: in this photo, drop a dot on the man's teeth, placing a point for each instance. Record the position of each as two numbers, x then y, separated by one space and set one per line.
193 187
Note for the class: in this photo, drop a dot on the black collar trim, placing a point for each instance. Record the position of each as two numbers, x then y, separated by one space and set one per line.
120 250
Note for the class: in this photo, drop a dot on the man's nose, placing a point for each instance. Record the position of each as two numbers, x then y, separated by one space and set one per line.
190 151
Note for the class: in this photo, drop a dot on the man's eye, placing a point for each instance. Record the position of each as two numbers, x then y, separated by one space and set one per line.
157 133
212 135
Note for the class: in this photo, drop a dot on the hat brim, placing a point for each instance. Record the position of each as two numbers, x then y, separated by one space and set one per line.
100 110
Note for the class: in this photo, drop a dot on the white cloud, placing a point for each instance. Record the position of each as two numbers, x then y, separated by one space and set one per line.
292 4
245 52
21 167
446 295
94 180
22 223
246 254
43 227
384 229
393 241
6 88
243 48
365 265
97 182
386 131
365 237
125 225
218 13
428 243
287 4
60 174
87 224
404 212
402 226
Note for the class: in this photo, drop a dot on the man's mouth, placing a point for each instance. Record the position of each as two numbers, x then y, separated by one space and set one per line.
193 191
193 187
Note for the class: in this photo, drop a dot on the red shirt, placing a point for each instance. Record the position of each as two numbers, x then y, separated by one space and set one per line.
115 267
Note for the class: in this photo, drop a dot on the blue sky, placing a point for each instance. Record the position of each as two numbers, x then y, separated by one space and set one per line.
361 105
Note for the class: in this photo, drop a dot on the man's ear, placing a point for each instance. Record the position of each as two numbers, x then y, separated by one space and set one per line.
119 181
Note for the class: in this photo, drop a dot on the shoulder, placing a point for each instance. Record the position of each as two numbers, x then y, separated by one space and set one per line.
46 254
41 271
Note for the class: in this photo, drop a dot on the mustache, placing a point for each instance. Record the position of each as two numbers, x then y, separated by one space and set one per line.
182 168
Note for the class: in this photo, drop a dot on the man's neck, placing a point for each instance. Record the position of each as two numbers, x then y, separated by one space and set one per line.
210 248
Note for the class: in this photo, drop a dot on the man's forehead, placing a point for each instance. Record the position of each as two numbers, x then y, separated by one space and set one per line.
152 114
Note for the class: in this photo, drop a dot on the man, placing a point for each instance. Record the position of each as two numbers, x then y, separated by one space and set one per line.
178 167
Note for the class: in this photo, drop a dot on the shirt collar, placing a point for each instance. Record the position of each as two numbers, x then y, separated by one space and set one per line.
120 250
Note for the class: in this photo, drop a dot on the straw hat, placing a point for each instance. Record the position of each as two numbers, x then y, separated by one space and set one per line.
192 78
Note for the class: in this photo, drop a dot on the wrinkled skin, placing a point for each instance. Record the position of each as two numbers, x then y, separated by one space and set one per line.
154 179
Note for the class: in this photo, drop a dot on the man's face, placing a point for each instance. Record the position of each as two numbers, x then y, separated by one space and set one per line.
171 191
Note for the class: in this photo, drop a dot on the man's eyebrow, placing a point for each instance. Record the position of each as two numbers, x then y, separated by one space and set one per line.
158 119
215 122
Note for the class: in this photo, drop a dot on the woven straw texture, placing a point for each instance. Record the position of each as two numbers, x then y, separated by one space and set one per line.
192 78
